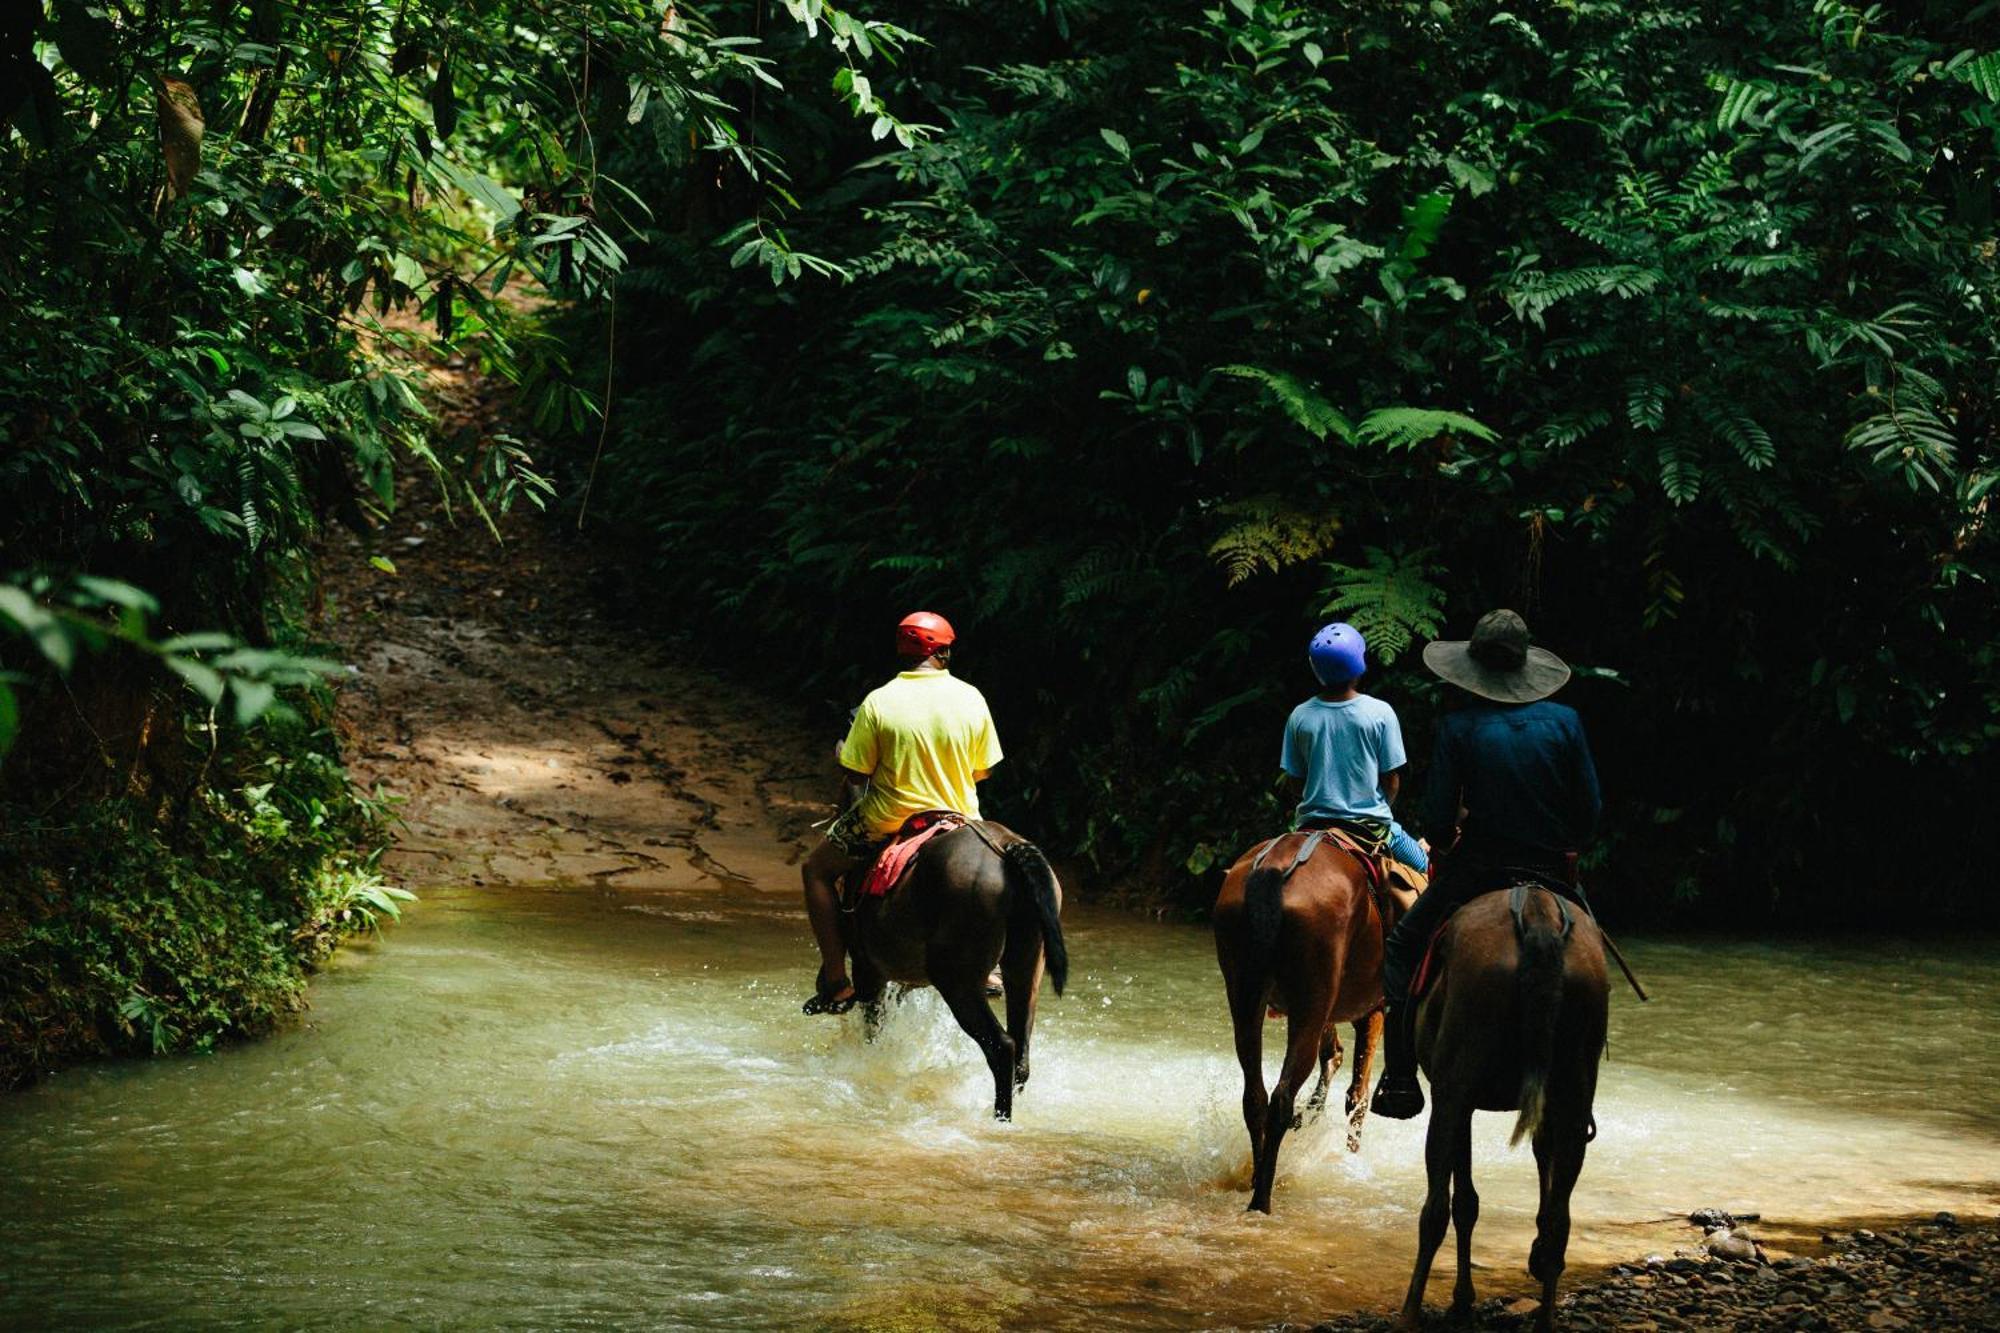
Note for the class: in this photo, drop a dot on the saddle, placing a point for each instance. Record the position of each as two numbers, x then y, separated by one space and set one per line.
893 861
1394 884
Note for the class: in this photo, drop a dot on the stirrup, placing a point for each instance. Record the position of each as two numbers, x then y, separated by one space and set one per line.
1397 1098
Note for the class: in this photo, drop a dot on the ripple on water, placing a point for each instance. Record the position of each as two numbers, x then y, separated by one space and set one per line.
548 1111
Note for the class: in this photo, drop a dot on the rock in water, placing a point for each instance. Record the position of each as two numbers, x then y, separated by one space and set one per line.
1729 1245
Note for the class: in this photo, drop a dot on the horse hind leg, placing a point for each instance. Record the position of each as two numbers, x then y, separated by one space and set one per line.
1559 1153
1464 1217
1447 1127
1021 965
1302 1046
1329 1064
967 998
1246 1018
1367 1041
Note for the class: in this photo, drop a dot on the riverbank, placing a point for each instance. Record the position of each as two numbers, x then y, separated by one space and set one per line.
534 738
1939 1277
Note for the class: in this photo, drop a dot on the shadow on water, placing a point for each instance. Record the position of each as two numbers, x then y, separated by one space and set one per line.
557 1108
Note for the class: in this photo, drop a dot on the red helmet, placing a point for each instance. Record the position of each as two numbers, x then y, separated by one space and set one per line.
922 633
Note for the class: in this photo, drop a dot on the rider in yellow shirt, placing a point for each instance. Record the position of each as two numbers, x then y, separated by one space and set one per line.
922 741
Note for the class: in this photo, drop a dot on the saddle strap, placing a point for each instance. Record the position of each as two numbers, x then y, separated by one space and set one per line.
1304 854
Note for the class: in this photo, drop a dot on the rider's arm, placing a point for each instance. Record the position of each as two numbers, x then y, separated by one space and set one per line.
1589 798
1392 785
1441 790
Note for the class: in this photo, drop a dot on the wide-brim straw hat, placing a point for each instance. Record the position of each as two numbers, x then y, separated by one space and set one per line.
1498 662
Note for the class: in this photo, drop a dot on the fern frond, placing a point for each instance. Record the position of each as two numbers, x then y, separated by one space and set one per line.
1680 472
1565 430
1271 534
909 564
1099 571
1910 438
1534 292
1391 599
1751 441
246 479
1407 427
1983 73
1645 403
1303 403
1780 261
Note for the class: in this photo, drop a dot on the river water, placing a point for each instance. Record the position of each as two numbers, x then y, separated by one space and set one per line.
543 1109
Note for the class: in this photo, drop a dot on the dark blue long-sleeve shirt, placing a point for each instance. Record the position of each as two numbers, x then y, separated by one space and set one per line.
1521 771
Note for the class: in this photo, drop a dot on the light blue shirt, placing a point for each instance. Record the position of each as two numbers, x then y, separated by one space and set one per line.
1340 751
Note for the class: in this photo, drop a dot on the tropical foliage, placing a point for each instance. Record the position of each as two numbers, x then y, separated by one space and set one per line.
1672 324
231 234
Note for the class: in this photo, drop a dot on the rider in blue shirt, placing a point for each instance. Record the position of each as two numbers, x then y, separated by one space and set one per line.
1512 794
1344 749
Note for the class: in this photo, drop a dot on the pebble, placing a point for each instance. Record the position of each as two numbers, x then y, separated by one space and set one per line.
1926 1278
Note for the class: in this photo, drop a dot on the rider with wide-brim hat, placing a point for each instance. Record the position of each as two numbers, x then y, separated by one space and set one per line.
1511 794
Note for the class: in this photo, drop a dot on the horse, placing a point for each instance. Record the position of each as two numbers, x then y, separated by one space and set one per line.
974 896
1515 1022
1311 945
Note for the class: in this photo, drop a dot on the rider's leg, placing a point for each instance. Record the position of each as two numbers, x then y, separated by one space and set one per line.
1406 848
821 873
1397 1096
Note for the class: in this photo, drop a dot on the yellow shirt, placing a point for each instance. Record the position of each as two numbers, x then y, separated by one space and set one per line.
922 739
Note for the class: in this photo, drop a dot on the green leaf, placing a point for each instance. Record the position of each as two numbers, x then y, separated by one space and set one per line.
383 563
1391 599
87 40
1302 402
1117 142
1407 427
408 272
252 698
444 101
206 680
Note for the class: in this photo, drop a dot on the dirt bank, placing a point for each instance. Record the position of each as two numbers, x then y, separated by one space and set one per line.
535 742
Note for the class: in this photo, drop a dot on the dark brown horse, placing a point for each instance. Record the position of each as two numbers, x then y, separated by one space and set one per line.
974 896
1515 1022
1311 946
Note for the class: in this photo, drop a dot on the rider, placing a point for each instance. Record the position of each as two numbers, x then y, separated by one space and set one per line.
920 742
1343 749
1512 794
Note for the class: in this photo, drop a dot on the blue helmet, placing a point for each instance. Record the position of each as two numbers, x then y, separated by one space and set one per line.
1338 653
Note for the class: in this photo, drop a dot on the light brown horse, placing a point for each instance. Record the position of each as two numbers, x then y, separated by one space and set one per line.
1311 946
1515 1022
973 897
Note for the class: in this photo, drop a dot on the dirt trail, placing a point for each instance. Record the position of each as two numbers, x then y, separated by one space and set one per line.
536 740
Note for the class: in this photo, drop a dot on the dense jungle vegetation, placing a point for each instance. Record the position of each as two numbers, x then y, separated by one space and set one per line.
1671 324
1137 339
228 232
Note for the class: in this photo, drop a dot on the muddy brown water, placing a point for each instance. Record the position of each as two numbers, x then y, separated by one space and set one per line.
568 1107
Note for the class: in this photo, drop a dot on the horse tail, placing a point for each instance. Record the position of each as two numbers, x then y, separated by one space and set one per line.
1538 1002
1037 881
1263 915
